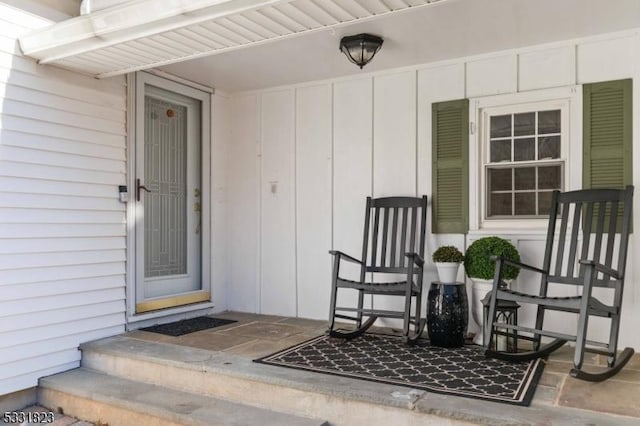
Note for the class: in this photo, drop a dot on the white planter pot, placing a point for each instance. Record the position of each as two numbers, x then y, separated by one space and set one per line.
479 289
447 271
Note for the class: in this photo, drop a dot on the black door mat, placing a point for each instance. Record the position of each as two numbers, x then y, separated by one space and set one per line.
456 371
187 326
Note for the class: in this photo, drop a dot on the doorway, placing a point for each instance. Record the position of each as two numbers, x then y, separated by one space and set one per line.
171 204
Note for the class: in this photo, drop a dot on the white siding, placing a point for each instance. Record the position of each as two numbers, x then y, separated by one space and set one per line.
352 173
492 76
607 59
394 135
381 130
313 198
62 229
277 242
546 68
221 129
394 150
244 201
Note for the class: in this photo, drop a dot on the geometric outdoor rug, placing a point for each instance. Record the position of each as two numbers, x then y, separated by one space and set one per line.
182 327
381 358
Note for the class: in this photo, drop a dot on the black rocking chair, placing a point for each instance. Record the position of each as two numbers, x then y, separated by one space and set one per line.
594 213
397 249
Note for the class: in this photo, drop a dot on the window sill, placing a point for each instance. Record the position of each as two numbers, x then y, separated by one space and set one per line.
511 229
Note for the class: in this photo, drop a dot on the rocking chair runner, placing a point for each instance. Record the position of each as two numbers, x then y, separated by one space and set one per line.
398 249
595 269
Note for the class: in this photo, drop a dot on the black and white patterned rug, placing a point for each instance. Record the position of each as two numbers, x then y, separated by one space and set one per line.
461 371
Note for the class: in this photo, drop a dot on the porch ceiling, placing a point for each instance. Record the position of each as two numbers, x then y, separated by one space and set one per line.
144 34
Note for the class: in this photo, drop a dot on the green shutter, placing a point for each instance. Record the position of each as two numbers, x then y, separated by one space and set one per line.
450 167
607 127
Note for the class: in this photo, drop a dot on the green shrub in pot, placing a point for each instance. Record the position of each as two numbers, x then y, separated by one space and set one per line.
480 268
448 254
447 260
478 263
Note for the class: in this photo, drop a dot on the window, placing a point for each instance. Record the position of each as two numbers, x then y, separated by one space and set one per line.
523 155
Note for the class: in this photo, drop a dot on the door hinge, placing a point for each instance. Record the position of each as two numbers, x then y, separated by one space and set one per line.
472 128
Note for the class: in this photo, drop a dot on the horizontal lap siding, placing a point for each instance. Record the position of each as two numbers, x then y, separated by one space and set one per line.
62 228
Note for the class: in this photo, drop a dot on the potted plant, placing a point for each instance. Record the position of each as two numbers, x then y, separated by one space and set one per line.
447 260
480 268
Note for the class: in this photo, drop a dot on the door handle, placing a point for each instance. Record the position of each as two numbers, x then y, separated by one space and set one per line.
138 188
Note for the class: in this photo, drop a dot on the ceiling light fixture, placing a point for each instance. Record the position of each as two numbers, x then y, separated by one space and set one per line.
360 48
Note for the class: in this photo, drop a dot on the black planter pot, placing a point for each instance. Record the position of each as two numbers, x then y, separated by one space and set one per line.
447 314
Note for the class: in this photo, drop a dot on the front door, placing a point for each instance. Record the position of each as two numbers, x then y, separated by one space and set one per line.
168 196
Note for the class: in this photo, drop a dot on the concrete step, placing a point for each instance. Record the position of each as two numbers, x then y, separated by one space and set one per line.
107 399
339 400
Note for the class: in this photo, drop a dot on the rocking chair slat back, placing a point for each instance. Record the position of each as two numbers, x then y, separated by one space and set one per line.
394 218
412 231
385 233
403 236
591 225
586 232
394 236
599 225
611 235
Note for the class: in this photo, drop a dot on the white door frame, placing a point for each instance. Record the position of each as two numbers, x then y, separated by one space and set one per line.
135 83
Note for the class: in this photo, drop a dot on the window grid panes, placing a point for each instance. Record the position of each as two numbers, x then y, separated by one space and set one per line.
524 163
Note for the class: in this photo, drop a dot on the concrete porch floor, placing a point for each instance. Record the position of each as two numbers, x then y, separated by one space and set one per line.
614 401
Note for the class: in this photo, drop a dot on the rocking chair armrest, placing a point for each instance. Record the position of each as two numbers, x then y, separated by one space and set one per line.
519 264
599 267
417 259
346 257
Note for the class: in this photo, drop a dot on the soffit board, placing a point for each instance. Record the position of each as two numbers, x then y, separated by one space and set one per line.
145 34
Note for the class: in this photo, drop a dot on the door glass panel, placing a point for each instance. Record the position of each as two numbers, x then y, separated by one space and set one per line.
165 220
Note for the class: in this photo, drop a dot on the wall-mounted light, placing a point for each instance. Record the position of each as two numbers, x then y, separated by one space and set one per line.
360 48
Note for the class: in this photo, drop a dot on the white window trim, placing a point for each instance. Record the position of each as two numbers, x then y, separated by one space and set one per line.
571 153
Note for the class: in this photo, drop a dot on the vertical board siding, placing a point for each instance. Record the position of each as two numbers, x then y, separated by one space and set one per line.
492 76
381 135
546 68
243 192
394 135
352 171
62 228
394 151
313 200
609 59
221 128
277 241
